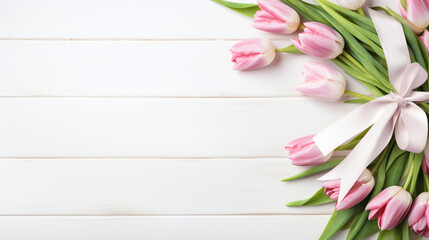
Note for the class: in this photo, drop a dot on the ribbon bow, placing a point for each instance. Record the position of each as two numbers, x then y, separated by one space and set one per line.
396 111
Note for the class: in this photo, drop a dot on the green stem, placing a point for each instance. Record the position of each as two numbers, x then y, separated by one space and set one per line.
417 166
301 26
360 11
355 62
410 175
426 181
289 49
358 95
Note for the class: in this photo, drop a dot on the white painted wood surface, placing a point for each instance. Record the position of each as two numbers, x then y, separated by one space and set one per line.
160 227
159 127
123 119
152 187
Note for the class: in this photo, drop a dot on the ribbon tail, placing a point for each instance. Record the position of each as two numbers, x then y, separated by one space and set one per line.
365 152
350 125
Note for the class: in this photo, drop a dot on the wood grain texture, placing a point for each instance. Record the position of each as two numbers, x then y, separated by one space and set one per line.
97 128
127 19
152 187
159 127
116 19
165 228
139 68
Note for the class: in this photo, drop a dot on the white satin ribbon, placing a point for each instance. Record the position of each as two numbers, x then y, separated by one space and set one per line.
396 111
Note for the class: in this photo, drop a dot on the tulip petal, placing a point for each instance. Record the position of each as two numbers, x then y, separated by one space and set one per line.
383 198
418 14
396 210
356 195
418 209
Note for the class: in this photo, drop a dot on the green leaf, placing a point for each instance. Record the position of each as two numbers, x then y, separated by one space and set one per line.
393 176
361 77
369 228
393 234
415 171
424 51
308 11
396 152
318 198
356 17
364 57
359 32
338 220
314 170
247 9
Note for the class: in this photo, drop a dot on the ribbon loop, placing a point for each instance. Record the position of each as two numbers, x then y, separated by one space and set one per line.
395 112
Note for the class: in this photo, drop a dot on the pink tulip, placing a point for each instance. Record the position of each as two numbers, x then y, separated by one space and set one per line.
417 14
425 39
390 207
304 152
319 40
359 191
322 82
276 17
351 4
252 54
418 218
425 161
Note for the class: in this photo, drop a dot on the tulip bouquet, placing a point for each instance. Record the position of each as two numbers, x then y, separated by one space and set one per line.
382 185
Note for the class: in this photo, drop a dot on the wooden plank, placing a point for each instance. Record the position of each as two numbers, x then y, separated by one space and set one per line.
117 19
165 228
152 187
159 127
126 19
149 69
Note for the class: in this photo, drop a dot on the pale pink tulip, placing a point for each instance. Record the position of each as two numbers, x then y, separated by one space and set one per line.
390 207
417 14
359 191
276 17
321 82
252 54
425 39
304 152
418 218
351 4
425 161
319 40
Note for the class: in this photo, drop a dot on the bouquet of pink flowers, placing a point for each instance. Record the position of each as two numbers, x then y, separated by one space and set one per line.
382 185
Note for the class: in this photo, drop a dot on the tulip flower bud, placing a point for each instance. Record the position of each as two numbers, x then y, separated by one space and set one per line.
304 152
252 54
390 207
351 4
319 40
417 14
321 82
418 218
425 39
360 190
276 17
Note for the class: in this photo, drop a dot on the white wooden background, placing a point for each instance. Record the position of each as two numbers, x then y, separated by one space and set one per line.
122 119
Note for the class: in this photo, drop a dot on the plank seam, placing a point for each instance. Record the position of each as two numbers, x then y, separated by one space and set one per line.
169 215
